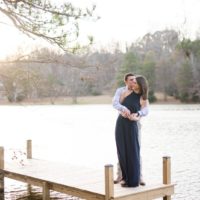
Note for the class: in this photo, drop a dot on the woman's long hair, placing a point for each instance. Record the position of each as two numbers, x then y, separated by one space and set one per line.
143 84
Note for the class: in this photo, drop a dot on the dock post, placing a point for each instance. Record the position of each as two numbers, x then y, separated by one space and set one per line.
29 149
109 184
29 156
1 173
166 173
45 192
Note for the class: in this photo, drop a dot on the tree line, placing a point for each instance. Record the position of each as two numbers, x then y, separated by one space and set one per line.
46 73
170 63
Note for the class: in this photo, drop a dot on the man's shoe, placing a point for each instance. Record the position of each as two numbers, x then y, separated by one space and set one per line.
122 181
117 180
142 183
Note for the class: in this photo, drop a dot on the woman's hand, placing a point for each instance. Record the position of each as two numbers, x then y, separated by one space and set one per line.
134 117
123 114
126 113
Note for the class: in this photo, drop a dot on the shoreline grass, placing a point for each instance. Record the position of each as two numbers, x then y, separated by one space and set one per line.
84 100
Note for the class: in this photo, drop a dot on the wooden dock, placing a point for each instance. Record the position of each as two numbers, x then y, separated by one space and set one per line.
80 182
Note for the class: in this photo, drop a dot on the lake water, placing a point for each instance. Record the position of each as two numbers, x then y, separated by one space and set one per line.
84 135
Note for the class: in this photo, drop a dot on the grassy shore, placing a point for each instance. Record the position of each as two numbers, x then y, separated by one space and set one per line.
101 99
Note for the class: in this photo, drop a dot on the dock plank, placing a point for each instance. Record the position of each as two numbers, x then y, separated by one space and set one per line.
61 177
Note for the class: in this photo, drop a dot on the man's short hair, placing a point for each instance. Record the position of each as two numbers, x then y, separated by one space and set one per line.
127 75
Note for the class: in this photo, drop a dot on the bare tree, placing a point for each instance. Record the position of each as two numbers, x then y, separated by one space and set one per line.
19 82
55 23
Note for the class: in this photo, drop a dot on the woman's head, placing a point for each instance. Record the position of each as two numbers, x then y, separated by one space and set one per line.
141 85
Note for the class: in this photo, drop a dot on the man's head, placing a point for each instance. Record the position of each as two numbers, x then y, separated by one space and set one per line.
129 79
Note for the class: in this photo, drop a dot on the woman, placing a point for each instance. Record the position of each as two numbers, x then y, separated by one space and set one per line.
126 132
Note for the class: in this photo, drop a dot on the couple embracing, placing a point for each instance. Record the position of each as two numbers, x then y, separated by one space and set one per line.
132 103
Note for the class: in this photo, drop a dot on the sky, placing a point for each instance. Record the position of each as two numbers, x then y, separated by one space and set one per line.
128 20
122 21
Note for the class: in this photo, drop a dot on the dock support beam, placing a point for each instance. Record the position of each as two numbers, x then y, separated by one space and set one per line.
109 185
45 192
167 173
1 173
29 156
29 149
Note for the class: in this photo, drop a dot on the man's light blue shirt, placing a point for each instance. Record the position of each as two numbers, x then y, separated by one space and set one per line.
117 105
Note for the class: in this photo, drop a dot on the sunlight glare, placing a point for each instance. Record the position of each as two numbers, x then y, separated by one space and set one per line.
9 40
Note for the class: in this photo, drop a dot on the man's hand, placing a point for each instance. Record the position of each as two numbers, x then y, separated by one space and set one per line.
134 117
126 113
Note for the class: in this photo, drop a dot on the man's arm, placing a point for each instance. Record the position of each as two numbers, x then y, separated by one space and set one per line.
116 101
141 113
118 106
144 111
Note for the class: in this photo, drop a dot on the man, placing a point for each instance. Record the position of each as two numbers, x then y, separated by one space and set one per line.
129 81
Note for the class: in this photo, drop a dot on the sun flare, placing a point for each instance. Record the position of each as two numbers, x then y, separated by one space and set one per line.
9 41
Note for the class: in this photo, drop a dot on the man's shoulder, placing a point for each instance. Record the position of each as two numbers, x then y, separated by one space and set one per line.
121 89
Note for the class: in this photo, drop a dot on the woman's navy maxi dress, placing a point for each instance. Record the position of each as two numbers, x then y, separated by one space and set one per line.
128 149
